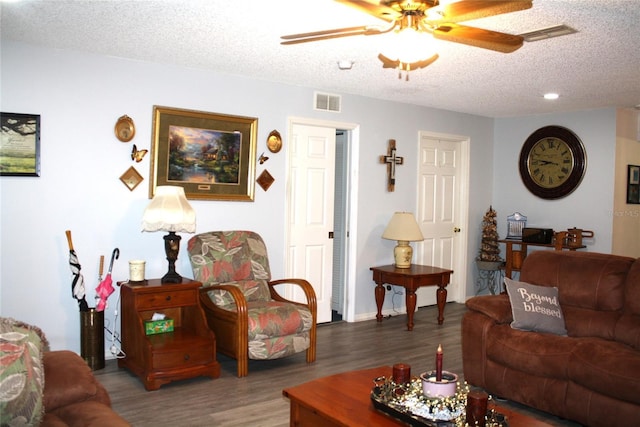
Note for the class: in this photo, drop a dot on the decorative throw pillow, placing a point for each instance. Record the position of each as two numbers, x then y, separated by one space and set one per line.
535 308
21 373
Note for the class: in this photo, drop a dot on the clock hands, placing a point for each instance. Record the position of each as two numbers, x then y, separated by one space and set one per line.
547 162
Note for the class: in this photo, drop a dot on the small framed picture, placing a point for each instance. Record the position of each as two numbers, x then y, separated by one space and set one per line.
131 178
20 144
633 184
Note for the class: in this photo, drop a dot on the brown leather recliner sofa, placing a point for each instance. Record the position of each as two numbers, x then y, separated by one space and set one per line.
591 375
48 388
73 396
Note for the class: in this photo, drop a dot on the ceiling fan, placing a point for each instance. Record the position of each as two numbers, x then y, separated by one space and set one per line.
412 20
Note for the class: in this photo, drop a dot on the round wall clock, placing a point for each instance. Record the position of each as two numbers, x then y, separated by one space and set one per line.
125 129
552 162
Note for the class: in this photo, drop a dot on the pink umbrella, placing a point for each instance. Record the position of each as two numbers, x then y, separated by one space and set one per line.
105 288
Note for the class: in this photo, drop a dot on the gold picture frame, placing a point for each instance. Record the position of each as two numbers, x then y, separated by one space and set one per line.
212 156
131 178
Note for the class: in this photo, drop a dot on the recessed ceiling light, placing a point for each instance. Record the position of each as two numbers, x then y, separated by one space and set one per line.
551 95
345 64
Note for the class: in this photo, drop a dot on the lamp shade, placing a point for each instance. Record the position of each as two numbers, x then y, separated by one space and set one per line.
169 210
403 227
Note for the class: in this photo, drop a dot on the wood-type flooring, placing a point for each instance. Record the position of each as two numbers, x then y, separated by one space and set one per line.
256 400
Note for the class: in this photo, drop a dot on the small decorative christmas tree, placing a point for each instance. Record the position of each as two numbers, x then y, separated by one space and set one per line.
489 249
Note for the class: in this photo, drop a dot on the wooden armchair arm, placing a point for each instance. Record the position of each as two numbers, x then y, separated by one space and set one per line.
236 294
306 287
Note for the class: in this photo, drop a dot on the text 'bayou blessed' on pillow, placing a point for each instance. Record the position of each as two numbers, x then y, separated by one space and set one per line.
535 308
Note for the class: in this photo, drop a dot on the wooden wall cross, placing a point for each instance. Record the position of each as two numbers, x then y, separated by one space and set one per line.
391 161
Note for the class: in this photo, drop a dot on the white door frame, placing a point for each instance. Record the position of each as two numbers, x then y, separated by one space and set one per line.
460 263
352 208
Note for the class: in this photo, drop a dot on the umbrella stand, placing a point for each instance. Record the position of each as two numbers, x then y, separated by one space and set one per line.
91 320
92 338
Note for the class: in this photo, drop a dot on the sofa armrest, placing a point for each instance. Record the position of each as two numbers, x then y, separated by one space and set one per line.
496 307
68 379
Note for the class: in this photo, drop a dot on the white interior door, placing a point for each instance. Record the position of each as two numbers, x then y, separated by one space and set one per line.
442 205
310 211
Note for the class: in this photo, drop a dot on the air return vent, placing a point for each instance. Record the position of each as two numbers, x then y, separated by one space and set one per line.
547 33
327 102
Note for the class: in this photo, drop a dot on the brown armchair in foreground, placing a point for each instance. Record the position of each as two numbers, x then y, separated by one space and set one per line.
244 310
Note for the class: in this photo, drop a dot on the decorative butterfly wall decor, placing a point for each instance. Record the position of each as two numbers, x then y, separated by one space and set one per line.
138 155
263 158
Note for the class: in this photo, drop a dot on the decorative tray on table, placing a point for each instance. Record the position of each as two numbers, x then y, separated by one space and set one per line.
407 403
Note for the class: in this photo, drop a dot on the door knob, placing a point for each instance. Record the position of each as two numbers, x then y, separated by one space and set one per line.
456 230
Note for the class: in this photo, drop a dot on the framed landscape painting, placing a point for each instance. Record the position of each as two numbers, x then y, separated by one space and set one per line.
212 156
19 144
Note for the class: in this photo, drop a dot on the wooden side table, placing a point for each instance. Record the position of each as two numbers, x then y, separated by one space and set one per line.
411 279
188 351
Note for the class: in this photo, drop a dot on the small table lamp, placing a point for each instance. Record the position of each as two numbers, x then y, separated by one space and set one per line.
403 228
170 211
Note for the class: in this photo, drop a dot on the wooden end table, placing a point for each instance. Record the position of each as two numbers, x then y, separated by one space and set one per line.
188 351
344 400
411 279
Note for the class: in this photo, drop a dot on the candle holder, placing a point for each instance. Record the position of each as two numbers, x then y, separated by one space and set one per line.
443 388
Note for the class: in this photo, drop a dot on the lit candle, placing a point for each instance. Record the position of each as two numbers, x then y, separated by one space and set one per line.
439 363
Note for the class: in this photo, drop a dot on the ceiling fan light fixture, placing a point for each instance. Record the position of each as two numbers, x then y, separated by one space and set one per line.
409 45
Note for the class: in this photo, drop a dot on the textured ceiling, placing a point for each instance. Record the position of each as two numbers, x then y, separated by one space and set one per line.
597 67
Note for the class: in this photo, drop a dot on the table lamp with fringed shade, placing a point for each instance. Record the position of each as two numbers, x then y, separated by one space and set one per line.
170 211
403 228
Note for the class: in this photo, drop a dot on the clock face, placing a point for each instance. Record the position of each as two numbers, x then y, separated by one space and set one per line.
552 162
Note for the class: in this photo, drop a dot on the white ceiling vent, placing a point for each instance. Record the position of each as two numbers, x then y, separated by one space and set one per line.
327 102
548 33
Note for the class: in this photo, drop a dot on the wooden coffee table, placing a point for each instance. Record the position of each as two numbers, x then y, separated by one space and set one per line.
344 400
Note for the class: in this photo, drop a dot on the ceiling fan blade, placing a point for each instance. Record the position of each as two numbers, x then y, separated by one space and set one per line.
329 34
373 8
487 39
475 9
323 33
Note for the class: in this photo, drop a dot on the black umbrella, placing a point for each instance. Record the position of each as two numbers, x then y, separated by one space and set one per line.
77 285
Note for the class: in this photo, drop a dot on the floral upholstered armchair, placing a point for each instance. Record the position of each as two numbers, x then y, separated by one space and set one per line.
244 310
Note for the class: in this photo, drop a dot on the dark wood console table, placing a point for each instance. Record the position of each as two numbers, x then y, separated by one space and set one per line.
510 266
411 279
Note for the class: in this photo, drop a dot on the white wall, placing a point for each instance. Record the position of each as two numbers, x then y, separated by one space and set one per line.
80 97
590 206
